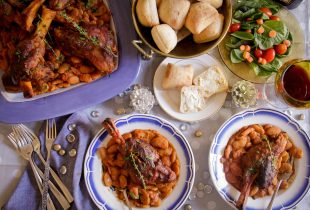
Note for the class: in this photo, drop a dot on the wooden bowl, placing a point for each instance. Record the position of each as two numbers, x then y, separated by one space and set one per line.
186 48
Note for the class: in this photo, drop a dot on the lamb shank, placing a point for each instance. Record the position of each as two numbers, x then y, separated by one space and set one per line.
142 160
28 67
96 44
259 165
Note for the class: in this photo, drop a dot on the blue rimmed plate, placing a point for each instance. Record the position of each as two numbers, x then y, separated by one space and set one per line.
285 199
104 197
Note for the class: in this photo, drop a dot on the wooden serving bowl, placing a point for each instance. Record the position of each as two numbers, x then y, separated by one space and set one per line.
186 48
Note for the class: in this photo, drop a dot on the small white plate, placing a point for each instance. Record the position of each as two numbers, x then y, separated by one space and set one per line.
105 198
285 200
169 100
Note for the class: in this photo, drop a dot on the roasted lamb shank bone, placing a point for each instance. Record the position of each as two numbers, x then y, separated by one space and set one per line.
29 14
29 61
261 159
146 157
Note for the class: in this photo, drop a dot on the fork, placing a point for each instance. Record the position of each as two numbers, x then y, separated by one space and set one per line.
50 136
282 177
25 150
37 149
18 129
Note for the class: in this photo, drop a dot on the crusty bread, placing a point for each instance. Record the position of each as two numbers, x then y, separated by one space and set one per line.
147 12
158 2
173 12
177 76
192 99
215 3
212 32
164 37
200 16
212 81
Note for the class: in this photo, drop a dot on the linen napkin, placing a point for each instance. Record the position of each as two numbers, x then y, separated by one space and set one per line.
27 194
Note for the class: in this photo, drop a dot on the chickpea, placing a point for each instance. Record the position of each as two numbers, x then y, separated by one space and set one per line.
145 198
112 149
254 190
122 181
107 179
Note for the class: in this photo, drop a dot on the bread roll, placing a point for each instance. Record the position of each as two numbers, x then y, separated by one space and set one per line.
164 37
177 76
158 2
215 3
212 81
147 12
192 99
200 16
212 32
173 12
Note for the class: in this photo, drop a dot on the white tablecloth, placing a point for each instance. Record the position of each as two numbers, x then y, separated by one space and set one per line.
12 166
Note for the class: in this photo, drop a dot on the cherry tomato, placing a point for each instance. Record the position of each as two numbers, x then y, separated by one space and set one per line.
280 49
274 17
234 27
258 53
266 11
269 55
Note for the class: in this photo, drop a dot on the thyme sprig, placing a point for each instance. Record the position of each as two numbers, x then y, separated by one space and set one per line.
265 138
81 30
58 57
84 35
132 159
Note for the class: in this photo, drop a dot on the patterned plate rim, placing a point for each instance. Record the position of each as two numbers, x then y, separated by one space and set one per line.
101 135
274 113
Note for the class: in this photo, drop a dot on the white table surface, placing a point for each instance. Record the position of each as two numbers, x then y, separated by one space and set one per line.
12 166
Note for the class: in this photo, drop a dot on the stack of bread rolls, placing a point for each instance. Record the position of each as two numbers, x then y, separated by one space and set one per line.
167 17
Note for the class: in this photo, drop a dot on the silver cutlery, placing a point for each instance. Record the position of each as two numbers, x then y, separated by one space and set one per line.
25 150
282 177
37 149
27 135
50 136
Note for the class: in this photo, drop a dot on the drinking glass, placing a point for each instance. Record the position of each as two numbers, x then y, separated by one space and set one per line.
291 86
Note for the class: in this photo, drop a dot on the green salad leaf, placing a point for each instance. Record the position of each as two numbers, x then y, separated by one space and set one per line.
273 6
243 35
236 56
239 15
264 42
279 27
234 42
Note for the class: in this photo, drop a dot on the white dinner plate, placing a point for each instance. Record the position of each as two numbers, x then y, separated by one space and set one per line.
105 198
169 100
286 199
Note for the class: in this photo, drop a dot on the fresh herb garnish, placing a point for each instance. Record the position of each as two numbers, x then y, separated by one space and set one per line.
18 53
81 30
273 157
132 157
58 58
84 35
252 170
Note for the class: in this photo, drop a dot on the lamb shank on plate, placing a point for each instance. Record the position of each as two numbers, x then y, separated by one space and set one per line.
259 165
142 158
